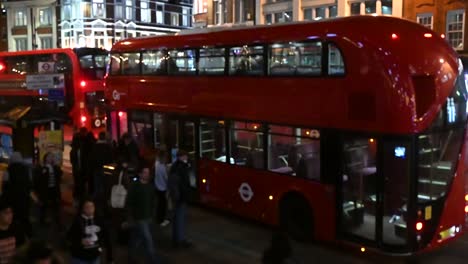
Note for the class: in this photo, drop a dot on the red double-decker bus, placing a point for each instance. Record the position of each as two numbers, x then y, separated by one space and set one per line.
347 130
71 79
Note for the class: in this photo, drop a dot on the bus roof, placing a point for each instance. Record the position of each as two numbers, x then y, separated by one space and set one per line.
387 59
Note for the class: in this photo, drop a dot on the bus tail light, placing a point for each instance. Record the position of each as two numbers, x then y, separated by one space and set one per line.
419 226
83 118
2 67
466 209
83 84
394 36
120 114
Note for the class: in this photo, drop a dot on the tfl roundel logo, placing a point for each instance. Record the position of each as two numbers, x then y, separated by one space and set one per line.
245 192
116 95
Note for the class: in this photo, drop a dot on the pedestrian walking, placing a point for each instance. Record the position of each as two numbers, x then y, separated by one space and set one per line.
179 190
129 154
18 190
100 156
160 183
47 180
37 252
279 250
88 235
140 205
12 235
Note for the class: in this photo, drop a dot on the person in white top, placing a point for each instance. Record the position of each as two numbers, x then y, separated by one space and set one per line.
160 182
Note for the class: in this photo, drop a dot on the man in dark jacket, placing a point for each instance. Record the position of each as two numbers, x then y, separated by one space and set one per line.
129 154
100 156
12 236
19 190
140 204
179 190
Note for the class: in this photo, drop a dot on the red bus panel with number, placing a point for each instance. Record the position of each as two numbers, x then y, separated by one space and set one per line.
349 130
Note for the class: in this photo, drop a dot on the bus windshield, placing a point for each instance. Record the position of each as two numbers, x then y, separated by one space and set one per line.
93 66
439 147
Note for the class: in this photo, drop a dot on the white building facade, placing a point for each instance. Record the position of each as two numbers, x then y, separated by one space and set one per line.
31 24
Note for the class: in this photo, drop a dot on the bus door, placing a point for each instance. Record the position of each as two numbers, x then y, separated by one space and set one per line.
374 191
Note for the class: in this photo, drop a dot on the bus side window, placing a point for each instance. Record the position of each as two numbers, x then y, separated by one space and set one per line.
115 64
154 62
246 60
295 58
335 60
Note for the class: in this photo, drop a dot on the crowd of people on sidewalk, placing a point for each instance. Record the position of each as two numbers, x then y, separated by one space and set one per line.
121 207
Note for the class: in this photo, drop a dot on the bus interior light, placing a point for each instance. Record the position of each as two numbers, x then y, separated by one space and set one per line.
363 249
419 226
466 197
270 197
466 209
204 180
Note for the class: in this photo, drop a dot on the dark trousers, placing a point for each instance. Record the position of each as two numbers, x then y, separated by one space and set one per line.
78 183
161 208
179 223
21 215
50 202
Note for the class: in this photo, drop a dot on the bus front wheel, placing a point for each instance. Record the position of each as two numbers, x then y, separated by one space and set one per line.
296 218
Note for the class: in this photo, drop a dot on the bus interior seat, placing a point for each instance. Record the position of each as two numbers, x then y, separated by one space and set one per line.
255 159
282 69
308 167
308 70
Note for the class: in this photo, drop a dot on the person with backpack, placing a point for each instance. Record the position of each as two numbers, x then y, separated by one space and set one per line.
88 235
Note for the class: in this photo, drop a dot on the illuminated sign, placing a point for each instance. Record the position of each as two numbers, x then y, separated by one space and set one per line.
400 152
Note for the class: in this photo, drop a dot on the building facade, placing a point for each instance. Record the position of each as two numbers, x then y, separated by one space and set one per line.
100 23
446 17
30 24
41 24
3 29
218 12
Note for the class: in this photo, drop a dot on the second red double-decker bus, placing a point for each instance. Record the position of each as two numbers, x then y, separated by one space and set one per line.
351 129
71 79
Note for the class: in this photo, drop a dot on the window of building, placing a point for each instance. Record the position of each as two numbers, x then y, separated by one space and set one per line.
99 8
186 17
213 140
320 12
174 19
154 62
356 8
307 13
66 11
46 43
129 9
246 60
118 9
294 151
387 7
332 11
159 14
335 60
455 28
145 11
268 19
21 44
86 9
246 144
181 62
21 18
45 16
220 11
211 61
287 16
242 11
295 58
370 7
425 19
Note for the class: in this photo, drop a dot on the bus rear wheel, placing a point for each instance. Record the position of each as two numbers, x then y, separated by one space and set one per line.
296 218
